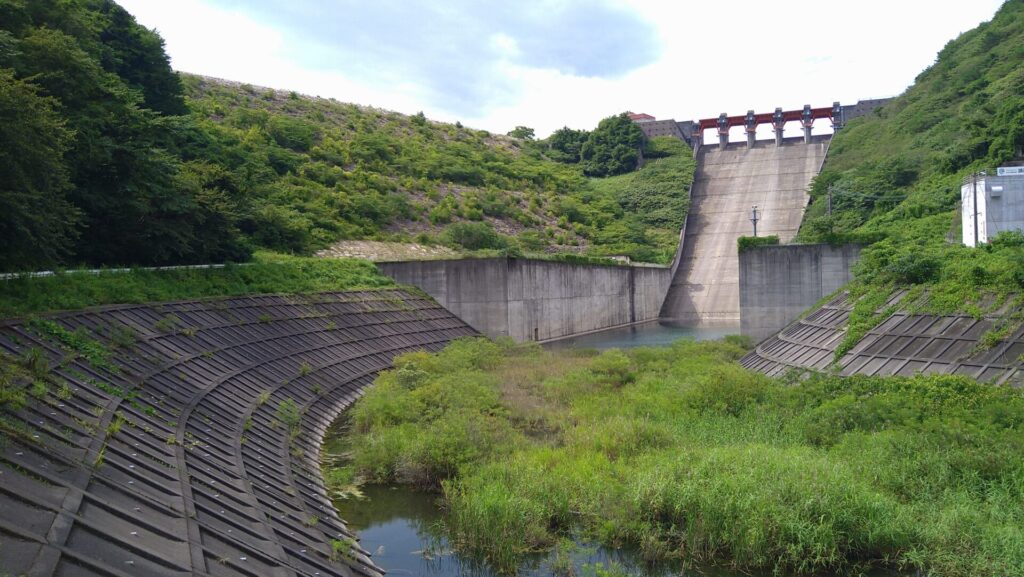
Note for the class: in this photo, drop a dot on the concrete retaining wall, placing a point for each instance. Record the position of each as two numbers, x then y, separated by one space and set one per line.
778 283
537 300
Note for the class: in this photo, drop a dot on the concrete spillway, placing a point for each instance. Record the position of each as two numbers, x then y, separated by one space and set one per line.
705 287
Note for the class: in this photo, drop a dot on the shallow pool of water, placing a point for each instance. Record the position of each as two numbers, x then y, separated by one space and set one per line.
401 530
643 335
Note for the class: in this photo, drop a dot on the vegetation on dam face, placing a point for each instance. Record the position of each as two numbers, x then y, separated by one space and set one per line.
680 452
317 170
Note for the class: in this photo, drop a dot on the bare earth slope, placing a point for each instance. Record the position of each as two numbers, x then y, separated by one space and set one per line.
705 289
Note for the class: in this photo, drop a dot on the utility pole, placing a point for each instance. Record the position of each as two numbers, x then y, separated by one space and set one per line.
753 218
829 200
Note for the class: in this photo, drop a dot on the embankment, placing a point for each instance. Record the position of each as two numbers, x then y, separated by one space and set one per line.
184 438
905 343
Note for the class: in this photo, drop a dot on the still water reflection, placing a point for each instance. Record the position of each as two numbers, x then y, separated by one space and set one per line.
645 335
400 528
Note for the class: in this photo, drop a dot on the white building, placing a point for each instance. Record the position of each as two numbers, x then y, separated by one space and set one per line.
999 205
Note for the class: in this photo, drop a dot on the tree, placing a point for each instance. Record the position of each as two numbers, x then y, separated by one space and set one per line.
612 148
36 221
123 177
522 132
473 236
110 88
137 56
565 144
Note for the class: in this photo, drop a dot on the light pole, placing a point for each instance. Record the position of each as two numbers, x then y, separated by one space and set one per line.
753 218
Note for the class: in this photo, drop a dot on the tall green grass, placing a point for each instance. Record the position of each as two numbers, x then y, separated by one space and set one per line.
269 273
683 454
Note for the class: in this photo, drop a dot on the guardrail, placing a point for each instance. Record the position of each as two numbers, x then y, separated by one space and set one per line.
97 271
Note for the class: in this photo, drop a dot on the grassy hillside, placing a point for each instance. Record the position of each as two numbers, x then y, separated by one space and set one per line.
317 170
895 176
109 157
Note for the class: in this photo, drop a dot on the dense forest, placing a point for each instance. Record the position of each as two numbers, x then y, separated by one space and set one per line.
93 125
109 157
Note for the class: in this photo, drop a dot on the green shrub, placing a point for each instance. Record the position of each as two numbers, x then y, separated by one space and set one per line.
912 268
473 236
288 414
744 243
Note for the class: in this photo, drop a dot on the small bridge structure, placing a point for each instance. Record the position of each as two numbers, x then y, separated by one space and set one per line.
778 120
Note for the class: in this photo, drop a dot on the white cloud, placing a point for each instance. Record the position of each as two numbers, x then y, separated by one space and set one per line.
202 39
506 47
725 56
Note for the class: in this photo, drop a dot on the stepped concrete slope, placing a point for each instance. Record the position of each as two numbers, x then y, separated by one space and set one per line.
189 443
705 287
904 344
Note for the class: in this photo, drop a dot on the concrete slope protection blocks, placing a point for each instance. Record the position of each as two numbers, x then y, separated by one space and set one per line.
184 438
727 185
903 344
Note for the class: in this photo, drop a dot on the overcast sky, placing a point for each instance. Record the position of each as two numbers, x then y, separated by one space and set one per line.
549 63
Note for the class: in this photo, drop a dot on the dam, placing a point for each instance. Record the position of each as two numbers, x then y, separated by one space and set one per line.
528 299
189 444
541 301
729 183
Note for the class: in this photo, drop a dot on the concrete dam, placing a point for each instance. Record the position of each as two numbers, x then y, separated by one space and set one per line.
730 181
536 300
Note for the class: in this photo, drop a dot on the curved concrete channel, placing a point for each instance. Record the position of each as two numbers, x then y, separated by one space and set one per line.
195 449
